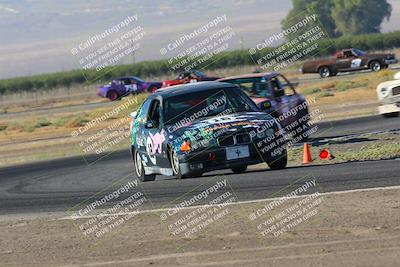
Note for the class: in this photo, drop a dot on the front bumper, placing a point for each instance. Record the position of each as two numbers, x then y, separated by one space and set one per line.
200 161
389 108
391 61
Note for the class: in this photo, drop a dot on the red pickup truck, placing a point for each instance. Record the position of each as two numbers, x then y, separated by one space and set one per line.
350 59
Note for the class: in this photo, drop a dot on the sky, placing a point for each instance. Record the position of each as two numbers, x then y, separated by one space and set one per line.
36 36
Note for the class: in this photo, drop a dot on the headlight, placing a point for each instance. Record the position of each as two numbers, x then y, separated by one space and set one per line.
384 92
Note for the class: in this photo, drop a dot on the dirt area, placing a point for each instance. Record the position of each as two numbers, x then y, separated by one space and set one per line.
347 229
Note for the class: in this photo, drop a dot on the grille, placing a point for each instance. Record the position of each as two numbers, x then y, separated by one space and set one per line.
226 141
231 140
396 90
242 138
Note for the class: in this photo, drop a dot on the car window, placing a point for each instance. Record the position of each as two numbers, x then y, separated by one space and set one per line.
141 118
195 105
358 52
154 113
198 73
253 87
348 54
127 82
280 87
277 87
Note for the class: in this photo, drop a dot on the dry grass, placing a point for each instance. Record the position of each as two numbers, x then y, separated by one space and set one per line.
25 139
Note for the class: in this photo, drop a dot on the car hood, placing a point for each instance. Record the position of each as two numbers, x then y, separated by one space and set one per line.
212 127
381 55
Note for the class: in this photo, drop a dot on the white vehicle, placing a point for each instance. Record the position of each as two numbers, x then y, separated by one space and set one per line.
389 95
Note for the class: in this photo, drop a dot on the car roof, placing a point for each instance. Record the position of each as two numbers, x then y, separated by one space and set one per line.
191 87
250 75
128 77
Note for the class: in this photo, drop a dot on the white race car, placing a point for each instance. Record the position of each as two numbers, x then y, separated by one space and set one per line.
389 95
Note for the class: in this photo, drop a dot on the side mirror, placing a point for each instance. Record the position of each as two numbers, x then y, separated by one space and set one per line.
133 114
265 105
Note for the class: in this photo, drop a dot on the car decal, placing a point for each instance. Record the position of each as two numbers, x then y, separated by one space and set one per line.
157 140
356 63
149 150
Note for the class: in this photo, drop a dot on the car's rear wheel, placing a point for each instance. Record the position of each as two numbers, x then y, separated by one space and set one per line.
139 169
375 65
112 95
391 115
279 163
239 169
324 71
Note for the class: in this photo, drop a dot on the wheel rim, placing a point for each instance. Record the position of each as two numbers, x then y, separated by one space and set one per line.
376 66
113 96
325 72
175 163
138 164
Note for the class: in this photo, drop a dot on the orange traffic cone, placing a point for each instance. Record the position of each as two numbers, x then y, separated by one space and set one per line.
306 154
325 154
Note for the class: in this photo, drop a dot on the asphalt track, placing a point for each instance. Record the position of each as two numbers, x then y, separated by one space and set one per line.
60 185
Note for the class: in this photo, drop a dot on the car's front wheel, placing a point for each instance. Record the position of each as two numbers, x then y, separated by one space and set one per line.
375 65
279 163
176 169
139 169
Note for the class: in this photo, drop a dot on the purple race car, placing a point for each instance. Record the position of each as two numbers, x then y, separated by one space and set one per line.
126 85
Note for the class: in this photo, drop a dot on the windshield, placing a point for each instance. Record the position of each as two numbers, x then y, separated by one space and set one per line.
253 87
358 52
196 105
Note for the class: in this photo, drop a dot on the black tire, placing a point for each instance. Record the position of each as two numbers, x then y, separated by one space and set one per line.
139 169
193 175
391 115
324 72
375 65
176 170
113 95
279 163
239 169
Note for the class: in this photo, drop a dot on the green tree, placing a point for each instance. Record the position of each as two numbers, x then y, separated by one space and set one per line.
360 16
301 8
342 17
